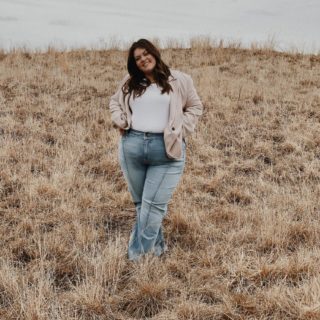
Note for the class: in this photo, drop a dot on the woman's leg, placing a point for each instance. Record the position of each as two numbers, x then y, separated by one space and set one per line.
161 181
134 172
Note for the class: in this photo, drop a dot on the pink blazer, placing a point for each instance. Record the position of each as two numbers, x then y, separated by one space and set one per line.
185 108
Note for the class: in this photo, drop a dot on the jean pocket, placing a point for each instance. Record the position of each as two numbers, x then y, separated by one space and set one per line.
124 135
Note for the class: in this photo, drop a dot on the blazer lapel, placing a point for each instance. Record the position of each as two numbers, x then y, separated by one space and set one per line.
173 100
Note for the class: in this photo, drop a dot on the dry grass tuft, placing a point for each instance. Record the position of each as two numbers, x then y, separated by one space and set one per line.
145 300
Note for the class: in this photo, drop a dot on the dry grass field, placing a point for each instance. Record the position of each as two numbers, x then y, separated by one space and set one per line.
243 227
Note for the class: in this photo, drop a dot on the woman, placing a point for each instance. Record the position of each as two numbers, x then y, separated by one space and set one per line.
155 108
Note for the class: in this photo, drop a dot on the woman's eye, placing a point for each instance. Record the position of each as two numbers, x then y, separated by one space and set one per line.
144 54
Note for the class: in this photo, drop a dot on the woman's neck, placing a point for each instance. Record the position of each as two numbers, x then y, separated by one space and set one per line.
150 78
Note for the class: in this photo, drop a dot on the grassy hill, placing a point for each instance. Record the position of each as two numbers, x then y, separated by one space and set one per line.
243 227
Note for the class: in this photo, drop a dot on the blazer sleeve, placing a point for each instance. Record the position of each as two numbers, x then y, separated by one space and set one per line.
116 106
193 108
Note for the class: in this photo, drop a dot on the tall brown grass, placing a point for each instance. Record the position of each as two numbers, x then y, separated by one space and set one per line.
242 227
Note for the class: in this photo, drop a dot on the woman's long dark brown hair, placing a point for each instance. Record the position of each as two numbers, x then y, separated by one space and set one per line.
138 82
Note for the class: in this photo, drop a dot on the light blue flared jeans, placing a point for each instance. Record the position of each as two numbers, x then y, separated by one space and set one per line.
151 177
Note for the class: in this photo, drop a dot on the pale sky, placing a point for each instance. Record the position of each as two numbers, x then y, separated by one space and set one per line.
65 24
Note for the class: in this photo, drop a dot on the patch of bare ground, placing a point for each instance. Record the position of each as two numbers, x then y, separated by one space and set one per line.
242 227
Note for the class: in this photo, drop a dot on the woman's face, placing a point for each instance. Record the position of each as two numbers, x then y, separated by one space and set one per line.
145 61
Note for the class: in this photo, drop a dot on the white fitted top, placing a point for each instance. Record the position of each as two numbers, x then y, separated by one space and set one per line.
150 111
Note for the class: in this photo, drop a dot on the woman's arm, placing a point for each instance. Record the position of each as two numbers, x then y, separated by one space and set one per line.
116 104
192 109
